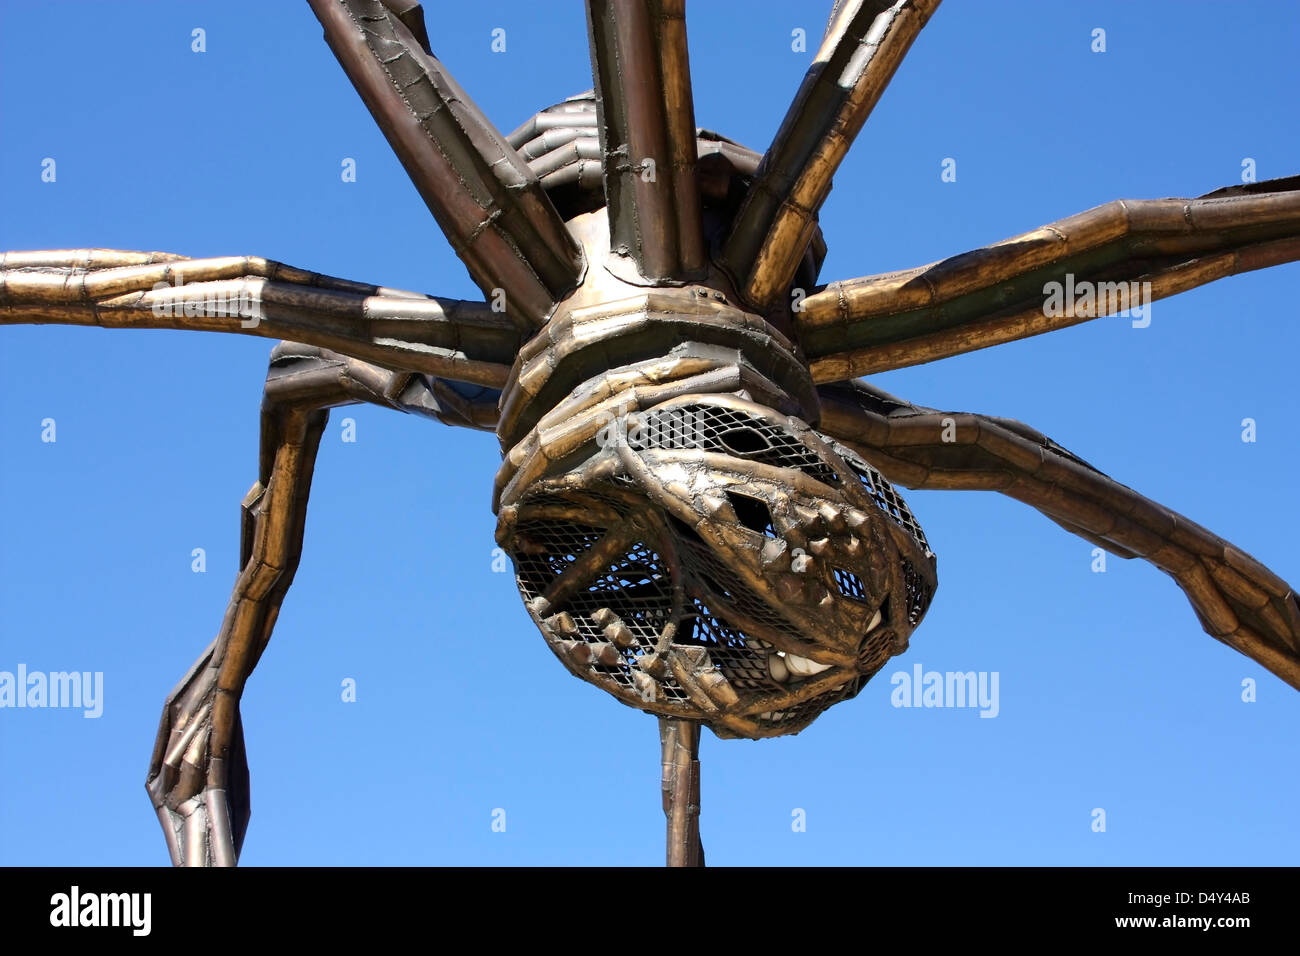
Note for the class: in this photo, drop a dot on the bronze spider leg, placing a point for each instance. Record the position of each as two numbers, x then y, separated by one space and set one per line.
487 201
864 44
681 790
444 360
1237 600
645 116
198 777
1001 292
402 331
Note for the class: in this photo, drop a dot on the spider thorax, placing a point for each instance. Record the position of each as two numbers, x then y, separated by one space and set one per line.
681 535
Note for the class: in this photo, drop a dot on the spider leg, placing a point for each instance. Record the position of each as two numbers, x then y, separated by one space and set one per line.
1002 292
198 776
487 201
1238 600
646 122
402 331
680 740
865 42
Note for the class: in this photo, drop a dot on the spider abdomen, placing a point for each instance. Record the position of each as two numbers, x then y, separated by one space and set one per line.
682 536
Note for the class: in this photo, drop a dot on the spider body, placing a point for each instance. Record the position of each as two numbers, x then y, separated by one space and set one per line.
682 537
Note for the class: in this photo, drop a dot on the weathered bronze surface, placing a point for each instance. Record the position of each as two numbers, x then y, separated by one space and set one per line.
694 490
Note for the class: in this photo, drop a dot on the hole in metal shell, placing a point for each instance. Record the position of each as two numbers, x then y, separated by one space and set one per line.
753 513
745 441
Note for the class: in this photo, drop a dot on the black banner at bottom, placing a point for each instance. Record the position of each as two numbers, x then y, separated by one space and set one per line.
333 904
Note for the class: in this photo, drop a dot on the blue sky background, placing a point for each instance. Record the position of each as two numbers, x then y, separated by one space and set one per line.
1111 695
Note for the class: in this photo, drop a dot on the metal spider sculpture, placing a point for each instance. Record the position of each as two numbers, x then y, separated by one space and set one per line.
696 488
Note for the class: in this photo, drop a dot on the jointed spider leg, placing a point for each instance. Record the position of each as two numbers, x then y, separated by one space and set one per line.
1005 291
1238 600
198 776
402 331
487 201
646 121
562 146
865 42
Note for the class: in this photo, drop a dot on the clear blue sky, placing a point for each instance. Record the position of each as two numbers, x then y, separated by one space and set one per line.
1111 695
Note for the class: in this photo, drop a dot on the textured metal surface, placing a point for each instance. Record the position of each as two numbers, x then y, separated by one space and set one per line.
697 500
680 740
864 44
1237 599
995 294
646 124
403 331
487 201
